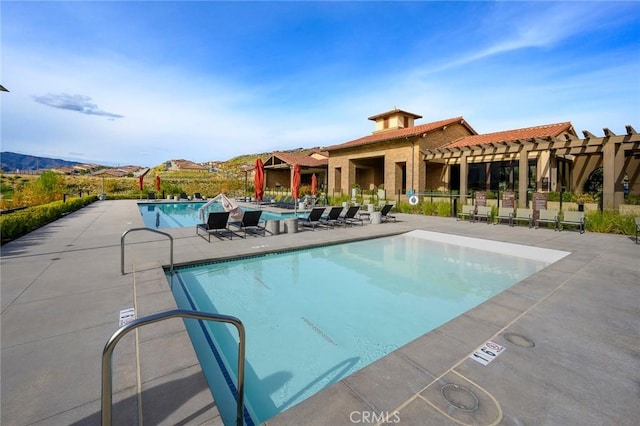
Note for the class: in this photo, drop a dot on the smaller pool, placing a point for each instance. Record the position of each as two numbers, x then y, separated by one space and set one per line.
183 214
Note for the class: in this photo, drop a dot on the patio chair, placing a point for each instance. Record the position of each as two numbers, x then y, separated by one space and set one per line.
216 224
350 218
482 213
250 223
547 216
637 228
313 220
504 213
385 216
572 218
467 212
197 196
332 218
523 215
183 196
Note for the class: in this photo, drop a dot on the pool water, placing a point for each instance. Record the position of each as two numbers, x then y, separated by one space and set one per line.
315 316
183 214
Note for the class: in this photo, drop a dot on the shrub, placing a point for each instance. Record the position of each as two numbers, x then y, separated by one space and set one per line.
19 223
610 222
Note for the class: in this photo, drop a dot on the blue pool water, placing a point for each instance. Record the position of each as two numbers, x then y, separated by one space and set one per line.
182 214
315 316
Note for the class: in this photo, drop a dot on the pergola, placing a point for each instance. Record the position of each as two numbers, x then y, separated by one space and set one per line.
617 152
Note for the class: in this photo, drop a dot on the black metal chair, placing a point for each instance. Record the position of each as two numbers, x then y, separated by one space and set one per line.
217 223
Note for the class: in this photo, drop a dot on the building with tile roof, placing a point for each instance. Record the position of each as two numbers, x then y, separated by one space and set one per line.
279 168
390 156
449 155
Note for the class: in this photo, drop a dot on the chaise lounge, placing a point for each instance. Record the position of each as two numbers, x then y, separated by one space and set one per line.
385 216
217 223
333 217
250 223
313 220
350 218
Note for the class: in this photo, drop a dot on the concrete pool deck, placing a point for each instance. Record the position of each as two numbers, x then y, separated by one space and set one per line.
62 292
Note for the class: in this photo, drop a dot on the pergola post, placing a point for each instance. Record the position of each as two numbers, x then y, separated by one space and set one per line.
523 177
464 176
613 168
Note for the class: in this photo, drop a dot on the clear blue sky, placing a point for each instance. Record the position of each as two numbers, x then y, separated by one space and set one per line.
144 82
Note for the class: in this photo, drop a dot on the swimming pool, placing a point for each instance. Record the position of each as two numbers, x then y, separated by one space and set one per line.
315 316
182 214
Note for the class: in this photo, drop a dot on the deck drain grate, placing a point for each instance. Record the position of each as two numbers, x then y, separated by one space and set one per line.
459 397
519 340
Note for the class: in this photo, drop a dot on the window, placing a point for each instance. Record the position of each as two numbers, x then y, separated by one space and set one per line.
405 121
385 123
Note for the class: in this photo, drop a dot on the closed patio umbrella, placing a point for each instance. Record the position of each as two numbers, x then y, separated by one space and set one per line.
141 182
157 183
258 179
295 184
314 184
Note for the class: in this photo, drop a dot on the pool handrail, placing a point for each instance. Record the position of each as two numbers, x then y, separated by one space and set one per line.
124 234
107 396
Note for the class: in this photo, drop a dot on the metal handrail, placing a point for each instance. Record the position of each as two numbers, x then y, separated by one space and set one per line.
144 229
107 353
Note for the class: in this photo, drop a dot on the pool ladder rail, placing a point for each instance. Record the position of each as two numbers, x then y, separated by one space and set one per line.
124 234
107 391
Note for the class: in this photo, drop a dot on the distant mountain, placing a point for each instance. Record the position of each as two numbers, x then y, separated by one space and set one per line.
10 162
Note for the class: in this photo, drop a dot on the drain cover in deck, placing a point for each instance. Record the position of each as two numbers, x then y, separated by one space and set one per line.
459 397
518 340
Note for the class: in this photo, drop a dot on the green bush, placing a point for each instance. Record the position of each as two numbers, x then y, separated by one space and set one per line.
21 222
610 222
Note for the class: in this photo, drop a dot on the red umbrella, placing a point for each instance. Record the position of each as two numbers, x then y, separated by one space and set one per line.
295 186
141 182
258 179
157 183
314 184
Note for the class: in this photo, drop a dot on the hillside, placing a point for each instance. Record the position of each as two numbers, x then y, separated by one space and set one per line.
10 162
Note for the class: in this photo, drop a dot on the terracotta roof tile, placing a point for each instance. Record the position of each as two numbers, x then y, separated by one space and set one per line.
301 159
399 133
543 131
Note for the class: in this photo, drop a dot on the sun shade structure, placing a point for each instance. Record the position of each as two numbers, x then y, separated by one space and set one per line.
314 184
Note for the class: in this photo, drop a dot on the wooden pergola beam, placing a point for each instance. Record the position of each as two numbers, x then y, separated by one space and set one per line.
630 130
608 133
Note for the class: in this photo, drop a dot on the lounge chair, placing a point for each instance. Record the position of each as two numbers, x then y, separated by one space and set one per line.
637 228
197 196
350 218
333 217
523 215
547 216
504 213
482 213
313 220
467 212
183 196
572 218
385 216
217 223
250 223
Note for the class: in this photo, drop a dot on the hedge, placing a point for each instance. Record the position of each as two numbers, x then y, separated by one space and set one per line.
19 223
